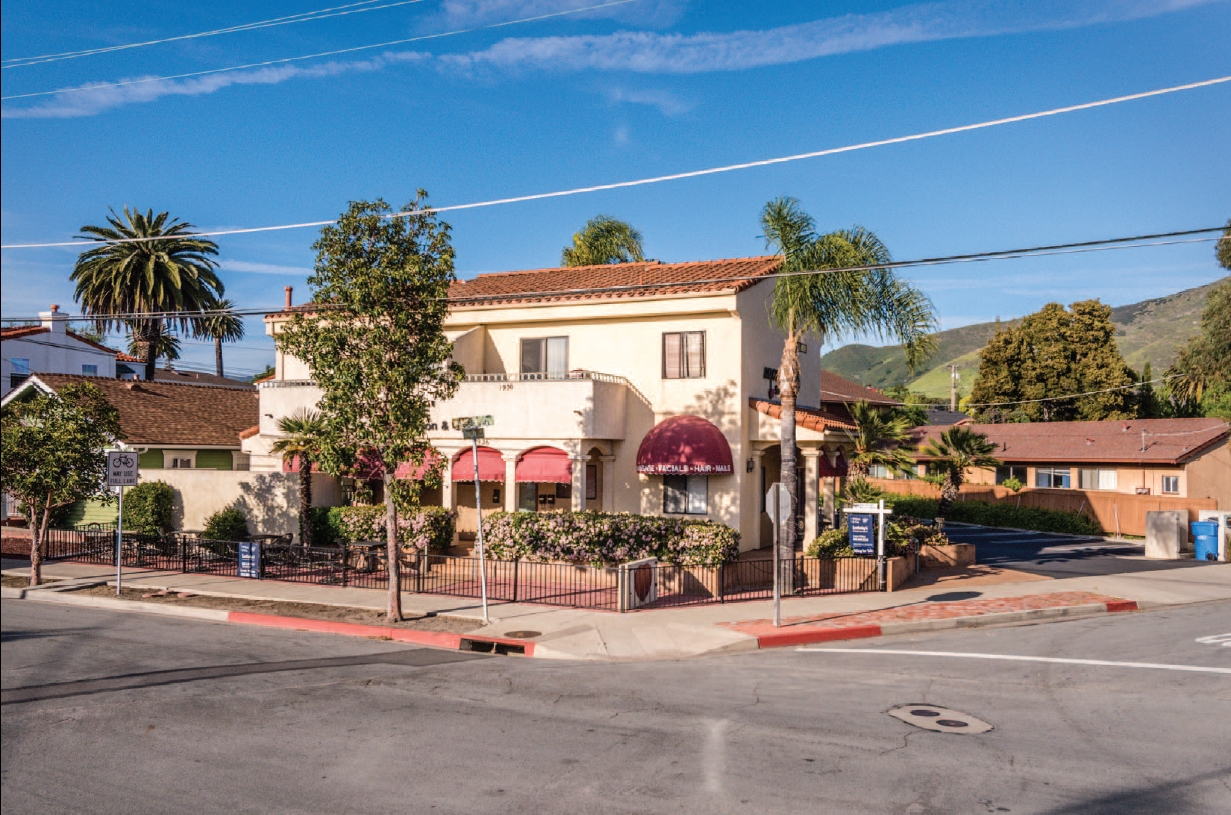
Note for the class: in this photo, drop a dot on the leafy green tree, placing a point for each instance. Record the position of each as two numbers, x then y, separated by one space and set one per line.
1055 352
265 374
145 264
221 325
604 240
303 435
858 296
1202 369
880 438
956 450
53 455
149 507
375 345
1223 250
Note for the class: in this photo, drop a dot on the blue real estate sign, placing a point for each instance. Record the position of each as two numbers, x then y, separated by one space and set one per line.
250 559
863 533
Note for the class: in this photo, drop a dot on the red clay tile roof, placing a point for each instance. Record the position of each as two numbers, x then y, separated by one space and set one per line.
122 357
1167 441
836 388
17 332
154 413
809 417
250 432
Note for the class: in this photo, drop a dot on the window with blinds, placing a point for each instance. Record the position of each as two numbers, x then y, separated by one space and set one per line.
544 358
684 355
1091 478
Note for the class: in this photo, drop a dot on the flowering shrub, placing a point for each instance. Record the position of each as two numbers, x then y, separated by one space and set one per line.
604 538
430 527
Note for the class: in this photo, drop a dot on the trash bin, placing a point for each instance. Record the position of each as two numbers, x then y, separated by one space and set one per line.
1205 540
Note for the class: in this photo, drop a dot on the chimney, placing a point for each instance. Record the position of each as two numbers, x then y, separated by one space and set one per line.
289 289
53 320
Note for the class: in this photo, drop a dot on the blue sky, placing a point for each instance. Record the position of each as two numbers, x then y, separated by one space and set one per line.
637 89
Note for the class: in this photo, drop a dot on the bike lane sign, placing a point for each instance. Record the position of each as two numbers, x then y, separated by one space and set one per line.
121 469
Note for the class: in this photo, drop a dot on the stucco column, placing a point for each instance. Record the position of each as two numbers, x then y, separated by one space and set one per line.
812 472
510 483
608 465
829 505
579 482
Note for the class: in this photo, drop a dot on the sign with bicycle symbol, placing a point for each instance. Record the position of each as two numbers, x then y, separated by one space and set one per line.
121 469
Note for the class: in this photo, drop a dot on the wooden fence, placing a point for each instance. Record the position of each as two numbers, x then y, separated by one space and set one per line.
1118 512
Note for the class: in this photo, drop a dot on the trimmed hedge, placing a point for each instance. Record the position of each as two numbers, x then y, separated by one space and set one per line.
228 524
986 513
602 538
900 539
148 507
430 527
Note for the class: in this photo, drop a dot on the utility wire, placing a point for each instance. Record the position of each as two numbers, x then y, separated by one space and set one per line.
1007 254
1074 395
334 53
302 17
689 174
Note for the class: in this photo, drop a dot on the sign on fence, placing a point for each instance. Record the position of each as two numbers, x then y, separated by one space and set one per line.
121 469
250 559
862 533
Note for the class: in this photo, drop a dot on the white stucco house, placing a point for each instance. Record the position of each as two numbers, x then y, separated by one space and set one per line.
50 348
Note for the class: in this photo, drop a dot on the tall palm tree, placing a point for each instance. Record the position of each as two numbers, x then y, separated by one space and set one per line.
603 240
221 325
881 438
957 450
145 264
301 441
859 296
166 346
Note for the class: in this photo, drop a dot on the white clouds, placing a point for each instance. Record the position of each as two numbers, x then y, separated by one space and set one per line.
667 103
470 13
247 267
92 100
648 52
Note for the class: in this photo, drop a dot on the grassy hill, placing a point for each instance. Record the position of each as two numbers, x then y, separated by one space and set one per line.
1150 331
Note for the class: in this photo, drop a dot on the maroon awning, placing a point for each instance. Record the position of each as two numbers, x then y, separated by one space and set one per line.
545 465
827 470
491 465
684 445
408 471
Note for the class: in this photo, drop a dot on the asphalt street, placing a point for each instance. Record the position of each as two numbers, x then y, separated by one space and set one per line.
1058 556
117 712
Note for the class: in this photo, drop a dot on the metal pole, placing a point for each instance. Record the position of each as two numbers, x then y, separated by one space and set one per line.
777 567
880 546
119 544
478 508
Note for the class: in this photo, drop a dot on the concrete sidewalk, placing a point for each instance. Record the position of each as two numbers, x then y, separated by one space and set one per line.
706 629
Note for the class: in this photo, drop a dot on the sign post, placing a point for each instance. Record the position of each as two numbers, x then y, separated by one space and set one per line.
472 428
121 473
863 540
778 506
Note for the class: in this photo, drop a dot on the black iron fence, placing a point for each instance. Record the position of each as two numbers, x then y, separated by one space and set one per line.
645 585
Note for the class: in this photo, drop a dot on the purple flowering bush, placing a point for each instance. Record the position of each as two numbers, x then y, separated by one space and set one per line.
603 538
426 527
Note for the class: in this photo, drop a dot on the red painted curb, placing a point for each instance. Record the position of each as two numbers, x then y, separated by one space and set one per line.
785 637
433 639
1122 605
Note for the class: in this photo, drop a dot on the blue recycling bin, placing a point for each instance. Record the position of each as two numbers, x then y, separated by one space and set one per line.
1205 540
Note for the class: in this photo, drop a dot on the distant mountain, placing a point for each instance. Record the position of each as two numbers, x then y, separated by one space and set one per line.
1150 331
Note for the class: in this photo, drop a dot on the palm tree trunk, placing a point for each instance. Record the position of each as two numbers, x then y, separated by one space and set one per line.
152 333
305 501
948 494
391 540
218 355
788 385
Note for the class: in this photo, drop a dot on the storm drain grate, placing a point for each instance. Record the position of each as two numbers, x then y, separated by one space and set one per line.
939 719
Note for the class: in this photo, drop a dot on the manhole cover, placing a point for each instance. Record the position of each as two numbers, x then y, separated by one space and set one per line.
522 635
940 719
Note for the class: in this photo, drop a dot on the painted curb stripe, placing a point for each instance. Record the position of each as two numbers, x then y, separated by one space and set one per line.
433 639
779 639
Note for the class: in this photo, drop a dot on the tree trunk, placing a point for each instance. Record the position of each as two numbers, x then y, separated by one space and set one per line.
305 501
856 468
152 333
37 531
391 539
948 494
788 386
218 355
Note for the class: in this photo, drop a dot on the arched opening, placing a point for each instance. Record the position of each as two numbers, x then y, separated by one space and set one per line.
544 477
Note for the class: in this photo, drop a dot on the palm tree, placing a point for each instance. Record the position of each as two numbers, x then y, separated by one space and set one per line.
145 264
603 240
220 325
301 440
880 439
166 346
860 296
957 450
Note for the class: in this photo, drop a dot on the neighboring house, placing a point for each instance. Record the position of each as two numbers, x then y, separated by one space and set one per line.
653 397
1182 458
50 348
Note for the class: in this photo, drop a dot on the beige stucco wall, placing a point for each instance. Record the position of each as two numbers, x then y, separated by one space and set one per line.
269 500
1210 476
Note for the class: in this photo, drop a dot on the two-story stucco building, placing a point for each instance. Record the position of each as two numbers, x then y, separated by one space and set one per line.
640 387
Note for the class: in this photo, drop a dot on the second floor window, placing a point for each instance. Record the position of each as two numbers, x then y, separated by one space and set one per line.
684 355
89 370
544 358
21 366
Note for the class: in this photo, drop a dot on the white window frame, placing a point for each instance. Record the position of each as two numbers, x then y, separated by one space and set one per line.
548 347
169 458
1175 479
240 461
1052 473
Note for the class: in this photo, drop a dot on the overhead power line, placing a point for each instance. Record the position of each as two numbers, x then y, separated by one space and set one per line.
1074 395
1105 244
302 17
322 54
688 174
